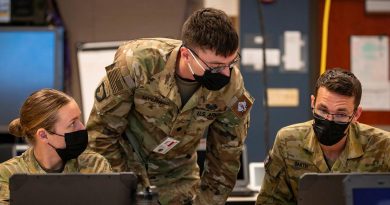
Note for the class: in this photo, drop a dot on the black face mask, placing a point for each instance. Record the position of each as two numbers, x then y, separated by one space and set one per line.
328 132
213 81
76 142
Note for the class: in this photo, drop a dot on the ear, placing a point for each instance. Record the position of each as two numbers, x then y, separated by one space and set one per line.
41 134
184 53
358 112
312 98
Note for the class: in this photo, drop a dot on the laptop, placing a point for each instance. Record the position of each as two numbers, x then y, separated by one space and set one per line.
367 188
321 189
241 187
73 189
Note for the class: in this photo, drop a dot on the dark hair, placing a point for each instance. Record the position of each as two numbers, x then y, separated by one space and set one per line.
38 111
342 82
210 29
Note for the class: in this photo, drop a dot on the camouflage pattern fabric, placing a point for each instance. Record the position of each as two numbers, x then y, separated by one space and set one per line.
87 162
297 151
140 95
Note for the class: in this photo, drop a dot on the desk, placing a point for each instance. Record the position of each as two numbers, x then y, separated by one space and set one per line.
242 200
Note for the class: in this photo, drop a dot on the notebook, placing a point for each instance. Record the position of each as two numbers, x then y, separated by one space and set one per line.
367 188
73 189
241 187
321 189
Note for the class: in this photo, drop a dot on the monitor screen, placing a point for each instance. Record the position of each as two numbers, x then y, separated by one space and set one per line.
367 188
31 59
374 196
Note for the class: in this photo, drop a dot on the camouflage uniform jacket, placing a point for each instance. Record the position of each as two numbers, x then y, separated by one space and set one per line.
297 151
87 162
139 95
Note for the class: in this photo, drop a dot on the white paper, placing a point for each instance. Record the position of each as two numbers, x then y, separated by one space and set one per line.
92 69
254 57
283 97
370 64
376 96
292 57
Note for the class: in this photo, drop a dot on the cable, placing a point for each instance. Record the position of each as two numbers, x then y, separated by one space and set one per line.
265 100
324 42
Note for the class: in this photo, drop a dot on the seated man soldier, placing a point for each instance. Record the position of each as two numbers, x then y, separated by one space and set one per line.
333 142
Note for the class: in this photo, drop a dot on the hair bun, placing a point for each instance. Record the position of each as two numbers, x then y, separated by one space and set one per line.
16 129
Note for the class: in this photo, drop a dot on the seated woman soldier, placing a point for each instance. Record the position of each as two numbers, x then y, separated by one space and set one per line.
50 122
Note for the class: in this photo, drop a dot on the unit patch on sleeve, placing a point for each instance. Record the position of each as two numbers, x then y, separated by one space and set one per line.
242 105
100 92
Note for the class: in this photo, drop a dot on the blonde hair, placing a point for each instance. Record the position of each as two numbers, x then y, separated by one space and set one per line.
38 111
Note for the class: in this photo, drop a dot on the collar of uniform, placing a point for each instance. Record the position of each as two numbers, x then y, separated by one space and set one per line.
32 163
354 147
310 141
166 78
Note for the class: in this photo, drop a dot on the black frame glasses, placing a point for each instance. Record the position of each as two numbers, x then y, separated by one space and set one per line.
217 69
337 118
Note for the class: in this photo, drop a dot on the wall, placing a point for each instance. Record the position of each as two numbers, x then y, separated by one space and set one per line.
347 18
118 20
279 16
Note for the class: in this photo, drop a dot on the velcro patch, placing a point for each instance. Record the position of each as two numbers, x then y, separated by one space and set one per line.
267 163
242 105
114 76
100 92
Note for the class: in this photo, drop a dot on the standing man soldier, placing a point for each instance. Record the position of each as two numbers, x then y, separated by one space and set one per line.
161 96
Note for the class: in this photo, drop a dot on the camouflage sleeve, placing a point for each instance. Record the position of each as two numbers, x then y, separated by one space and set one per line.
387 150
92 162
224 146
107 121
4 189
275 189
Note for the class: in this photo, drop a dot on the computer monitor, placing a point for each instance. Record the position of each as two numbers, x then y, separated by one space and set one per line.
321 189
31 59
367 188
75 189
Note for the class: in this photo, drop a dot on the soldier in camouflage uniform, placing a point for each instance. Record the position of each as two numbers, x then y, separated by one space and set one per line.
333 142
161 96
47 118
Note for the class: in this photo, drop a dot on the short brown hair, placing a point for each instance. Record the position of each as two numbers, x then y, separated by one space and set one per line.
342 82
38 111
212 29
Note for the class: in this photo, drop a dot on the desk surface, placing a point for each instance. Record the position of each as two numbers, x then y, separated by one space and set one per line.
243 198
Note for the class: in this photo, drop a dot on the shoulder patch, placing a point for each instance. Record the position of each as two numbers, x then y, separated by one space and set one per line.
114 76
242 105
100 92
267 163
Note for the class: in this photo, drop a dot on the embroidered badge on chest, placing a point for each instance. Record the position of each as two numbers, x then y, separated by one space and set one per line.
166 145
